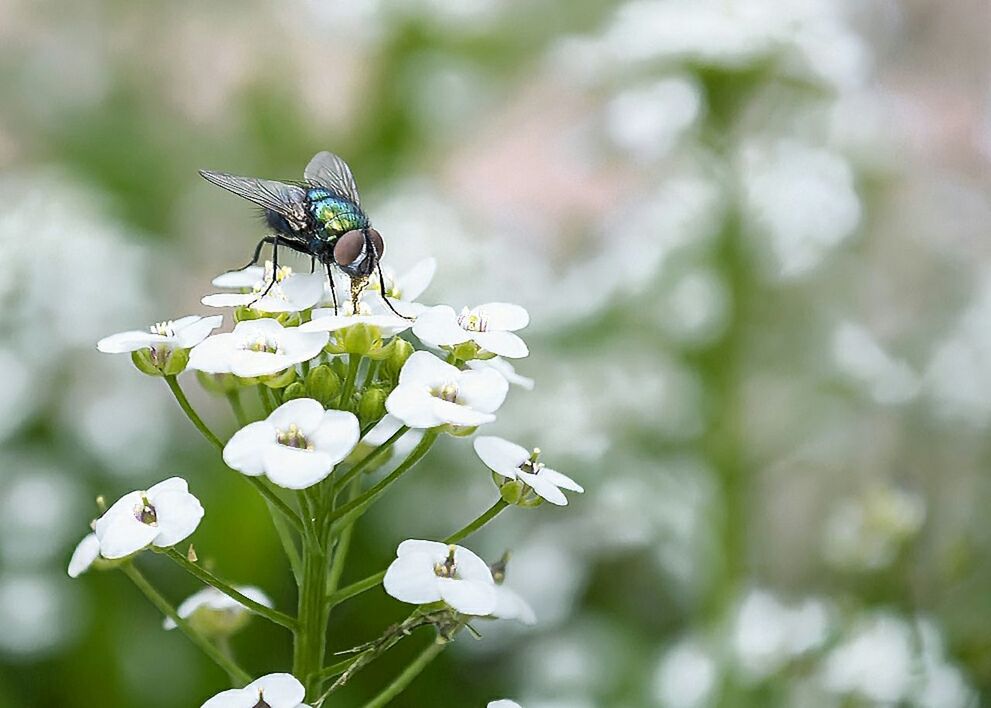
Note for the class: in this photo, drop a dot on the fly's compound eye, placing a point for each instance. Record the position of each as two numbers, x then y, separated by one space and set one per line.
348 248
377 241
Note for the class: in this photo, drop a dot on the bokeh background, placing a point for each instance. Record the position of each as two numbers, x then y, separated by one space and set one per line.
753 238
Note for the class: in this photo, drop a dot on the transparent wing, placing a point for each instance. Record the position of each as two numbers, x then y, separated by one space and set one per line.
285 199
328 170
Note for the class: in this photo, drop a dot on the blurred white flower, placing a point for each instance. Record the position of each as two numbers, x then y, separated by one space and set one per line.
686 676
515 462
163 515
507 370
858 355
221 612
767 633
296 446
874 661
84 555
37 613
866 533
647 121
291 292
432 392
503 703
801 199
256 348
162 338
490 326
273 691
428 571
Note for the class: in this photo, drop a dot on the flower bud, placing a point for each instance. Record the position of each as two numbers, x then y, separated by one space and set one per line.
466 351
160 362
322 384
511 490
371 406
294 390
359 338
279 380
401 351
144 363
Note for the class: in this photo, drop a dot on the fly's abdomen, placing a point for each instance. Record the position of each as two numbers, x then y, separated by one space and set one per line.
337 215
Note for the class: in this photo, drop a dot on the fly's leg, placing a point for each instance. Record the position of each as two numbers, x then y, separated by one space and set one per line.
313 264
382 292
333 292
258 251
275 270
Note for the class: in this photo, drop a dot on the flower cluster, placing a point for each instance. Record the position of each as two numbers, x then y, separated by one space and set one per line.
336 390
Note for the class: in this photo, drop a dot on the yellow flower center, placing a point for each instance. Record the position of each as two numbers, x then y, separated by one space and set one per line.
261 343
165 329
447 569
472 321
293 437
447 392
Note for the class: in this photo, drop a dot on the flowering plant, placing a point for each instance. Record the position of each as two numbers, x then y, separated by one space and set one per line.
337 391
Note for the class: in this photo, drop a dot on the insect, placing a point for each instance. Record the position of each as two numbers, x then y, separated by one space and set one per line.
320 217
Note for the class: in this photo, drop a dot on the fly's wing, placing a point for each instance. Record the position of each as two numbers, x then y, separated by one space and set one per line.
287 200
328 170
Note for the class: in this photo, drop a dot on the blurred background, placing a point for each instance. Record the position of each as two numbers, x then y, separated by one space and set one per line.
753 238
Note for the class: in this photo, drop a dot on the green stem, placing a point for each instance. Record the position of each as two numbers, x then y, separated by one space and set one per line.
288 543
349 591
209 578
311 623
342 547
239 677
234 398
351 511
265 396
401 682
489 514
183 402
354 362
367 459
195 419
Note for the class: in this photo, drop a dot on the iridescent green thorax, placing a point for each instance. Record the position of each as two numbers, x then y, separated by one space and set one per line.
335 214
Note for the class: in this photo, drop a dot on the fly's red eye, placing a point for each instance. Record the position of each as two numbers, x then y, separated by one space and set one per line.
377 242
348 248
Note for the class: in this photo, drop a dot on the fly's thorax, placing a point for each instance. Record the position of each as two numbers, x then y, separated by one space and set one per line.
334 215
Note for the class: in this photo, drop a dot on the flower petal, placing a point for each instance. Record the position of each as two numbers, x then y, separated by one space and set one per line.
293 468
248 364
213 354
125 535
413 282
192 333
504 344
228 299
245 450
471 567
124 342
544 488
482 390
413 405
278 690
500 456
510 605
425 369
231 698
170 484
439 326
336 435
305 413
502 316
469 597
457 414
560 480
122 507
435 549
246 278
179 513
86 552
411 579
503 367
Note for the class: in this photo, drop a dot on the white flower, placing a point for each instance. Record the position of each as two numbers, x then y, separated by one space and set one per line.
324 320
163 515
256 348
507 370
510 605
85 554
490 326
296 446
428 571
401 290
514 462
291 292
162 338
217 608
504 703
273 691
432 392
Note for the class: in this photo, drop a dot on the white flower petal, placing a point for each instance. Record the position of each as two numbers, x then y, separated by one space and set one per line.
278 690
425 369
504 344
293 468
412 405
305 413
414 281
122 507
195 329
231 698
511 606
457 414
502 316
439 326
469 597
175 484
243 452
336 435
482 390
506 369
228 299
503 703
248 364
471 567
435 549
124 535
212 355
560 480
247 278
124 342
500 456
411 579
178 513
86 552
303 290
302 346
544 488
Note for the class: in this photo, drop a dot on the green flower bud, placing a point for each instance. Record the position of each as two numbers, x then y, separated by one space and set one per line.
401 350
458 431
144 363
371 406
466 351
359 338
215 623
218 383
511 490
175 362
322 384
160 362
294 390
280 380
